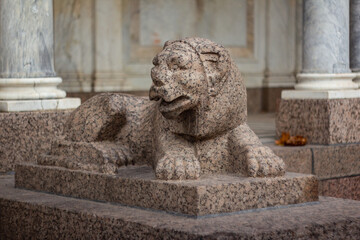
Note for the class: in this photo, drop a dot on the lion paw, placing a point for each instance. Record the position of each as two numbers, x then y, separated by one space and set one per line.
262 162
177 167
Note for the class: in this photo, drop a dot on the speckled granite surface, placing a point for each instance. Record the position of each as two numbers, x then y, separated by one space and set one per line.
24 135
336 161
297 159
321 121
136 186
46 216
324 161
346 187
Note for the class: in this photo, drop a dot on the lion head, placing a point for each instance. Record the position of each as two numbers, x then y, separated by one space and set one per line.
197 86
178 79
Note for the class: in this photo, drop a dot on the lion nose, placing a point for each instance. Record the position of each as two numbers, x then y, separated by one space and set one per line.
160 76
153 94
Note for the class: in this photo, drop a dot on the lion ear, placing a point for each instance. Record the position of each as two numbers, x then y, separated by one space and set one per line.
167 43
216 62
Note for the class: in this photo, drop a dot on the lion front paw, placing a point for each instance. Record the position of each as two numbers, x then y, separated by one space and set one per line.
177 167
262 162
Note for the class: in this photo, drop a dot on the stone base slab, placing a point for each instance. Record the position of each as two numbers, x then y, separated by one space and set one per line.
26 135
38 105
46 216
321 121
136 186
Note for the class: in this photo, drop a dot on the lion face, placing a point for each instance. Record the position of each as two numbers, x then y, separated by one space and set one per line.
178 80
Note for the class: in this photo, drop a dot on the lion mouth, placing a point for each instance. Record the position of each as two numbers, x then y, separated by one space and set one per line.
175 107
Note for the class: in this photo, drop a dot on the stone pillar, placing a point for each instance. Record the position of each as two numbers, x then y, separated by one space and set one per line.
27 74
355 38
324 107
325 46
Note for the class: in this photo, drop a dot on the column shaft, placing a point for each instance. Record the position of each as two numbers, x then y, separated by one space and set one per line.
326 46
324 107
28 80
27 51
26 37
355 38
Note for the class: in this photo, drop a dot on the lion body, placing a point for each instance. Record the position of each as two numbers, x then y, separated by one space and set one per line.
195 125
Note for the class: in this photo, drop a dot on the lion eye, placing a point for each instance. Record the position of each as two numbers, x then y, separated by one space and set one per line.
174 67
179 62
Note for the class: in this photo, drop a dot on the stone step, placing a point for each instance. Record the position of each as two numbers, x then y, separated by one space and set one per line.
47 216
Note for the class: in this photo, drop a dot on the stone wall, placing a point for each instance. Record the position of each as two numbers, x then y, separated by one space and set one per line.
108 45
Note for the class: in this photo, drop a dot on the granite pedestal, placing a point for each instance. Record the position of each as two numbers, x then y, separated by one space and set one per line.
137 186
321 121
25 135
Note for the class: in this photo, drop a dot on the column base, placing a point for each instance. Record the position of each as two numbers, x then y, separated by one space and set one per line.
38 105
328 81
323 117
357 79
30 88
320 94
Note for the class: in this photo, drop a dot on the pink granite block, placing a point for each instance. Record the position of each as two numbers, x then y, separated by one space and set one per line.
24 135
321 121
336 161
137 186
297 159
347 187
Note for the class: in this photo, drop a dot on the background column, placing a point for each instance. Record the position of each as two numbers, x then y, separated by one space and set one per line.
355 38
326 46
324 107
27 58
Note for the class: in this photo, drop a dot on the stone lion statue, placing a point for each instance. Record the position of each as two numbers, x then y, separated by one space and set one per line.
193 124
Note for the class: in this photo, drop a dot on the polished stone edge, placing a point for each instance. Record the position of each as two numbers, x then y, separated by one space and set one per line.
209 195
39 105
46 216
325 94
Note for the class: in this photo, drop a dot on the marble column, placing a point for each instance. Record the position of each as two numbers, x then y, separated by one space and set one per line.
326 46
355 38
27 74
325 105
